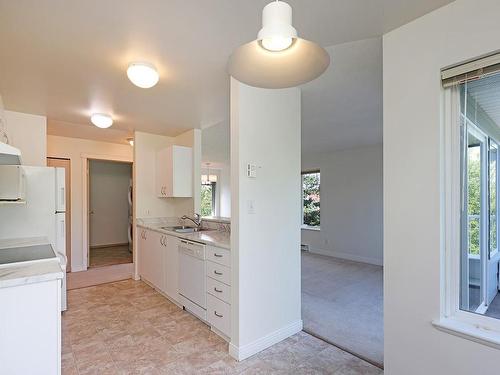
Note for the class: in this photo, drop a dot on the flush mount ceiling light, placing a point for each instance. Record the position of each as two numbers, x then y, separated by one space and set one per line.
143 74
278 58
101 120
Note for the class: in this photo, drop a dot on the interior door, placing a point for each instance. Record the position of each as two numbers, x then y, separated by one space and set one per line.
66 164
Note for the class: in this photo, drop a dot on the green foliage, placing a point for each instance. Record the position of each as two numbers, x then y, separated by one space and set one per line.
473 199
206 200
311 199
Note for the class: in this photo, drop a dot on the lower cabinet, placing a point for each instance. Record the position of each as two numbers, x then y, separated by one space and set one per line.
158 261
171 266
218 282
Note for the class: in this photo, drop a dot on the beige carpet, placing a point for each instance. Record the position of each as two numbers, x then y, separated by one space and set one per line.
342 302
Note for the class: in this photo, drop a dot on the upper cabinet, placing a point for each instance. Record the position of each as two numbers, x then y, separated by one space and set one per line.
174 172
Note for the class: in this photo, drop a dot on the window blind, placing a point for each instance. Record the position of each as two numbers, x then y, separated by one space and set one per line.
471 70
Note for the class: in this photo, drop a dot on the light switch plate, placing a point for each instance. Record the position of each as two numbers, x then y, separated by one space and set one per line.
251 206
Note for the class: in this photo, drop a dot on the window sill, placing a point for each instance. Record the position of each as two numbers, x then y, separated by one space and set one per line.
469 331
317 229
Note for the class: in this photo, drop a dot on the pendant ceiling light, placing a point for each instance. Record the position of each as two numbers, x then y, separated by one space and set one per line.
278 58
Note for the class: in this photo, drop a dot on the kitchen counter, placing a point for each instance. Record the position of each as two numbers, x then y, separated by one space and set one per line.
31 271
209 237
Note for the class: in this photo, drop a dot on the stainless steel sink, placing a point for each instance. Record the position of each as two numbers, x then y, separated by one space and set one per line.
185 229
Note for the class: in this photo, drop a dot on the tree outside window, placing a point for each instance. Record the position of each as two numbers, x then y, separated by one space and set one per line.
311 199
207 205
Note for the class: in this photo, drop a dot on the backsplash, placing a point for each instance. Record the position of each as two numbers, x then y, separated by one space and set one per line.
222 224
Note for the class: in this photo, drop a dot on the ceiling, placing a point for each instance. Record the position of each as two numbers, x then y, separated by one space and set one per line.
343 108
67 59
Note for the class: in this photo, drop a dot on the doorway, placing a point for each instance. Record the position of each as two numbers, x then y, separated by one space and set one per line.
109 213
66 164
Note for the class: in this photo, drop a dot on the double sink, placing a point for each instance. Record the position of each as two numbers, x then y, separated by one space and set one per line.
185 229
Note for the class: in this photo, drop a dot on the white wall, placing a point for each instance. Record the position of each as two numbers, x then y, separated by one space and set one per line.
225 191
109 186
351 204
413 57
73 148
29 134
265 245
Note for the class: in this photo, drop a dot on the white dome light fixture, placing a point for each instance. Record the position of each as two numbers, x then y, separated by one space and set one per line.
143 74
278 58
101 120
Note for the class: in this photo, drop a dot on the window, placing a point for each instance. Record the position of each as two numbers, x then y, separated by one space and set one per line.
470 285
480 132
311 199
207 206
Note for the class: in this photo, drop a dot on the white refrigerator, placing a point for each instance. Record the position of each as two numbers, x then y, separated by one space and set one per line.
43 214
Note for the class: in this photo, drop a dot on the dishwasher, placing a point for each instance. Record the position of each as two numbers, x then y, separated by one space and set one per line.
192 290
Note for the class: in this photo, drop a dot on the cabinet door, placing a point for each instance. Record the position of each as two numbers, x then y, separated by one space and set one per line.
156 259
162 173
144 256
171 266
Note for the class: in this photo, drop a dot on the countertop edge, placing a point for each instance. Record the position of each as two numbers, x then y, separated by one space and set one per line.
184 236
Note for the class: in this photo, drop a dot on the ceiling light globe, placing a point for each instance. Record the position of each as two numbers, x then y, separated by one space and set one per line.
276 43
277 32
143 74
101 120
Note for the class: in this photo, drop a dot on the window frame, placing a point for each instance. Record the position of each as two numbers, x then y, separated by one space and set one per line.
305 226
469 325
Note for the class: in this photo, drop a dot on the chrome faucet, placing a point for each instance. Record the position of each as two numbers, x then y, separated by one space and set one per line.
196 220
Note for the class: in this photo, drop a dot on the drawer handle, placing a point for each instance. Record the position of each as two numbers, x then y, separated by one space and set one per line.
218 273
218 255
218 315
217 290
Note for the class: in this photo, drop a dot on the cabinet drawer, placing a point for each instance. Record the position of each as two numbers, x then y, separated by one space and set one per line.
218 255
219 290
218 272
219 314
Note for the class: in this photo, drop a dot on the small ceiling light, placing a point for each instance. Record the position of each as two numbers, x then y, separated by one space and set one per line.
277 33
143 74
101 120
278 58
131 141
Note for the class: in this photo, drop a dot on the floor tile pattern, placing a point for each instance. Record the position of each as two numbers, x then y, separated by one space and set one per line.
128 328
107 256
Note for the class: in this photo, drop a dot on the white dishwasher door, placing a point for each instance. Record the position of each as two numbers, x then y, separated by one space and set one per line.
192 272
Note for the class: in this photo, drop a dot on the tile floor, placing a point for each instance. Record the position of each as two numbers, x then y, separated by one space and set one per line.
107 256
128 328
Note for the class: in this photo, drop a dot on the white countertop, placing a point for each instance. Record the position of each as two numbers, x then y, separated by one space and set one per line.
29 272
208 237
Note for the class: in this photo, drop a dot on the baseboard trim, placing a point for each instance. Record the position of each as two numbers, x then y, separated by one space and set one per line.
347 256
243 352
